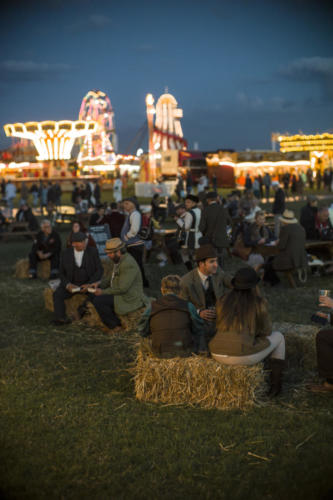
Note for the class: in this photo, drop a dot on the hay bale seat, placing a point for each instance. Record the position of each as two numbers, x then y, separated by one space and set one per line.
197 381
128 321
71 304
22 269
205 382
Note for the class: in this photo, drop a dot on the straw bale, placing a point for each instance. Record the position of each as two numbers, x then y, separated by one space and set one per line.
71 304
22 269
197 381
300 344
128 321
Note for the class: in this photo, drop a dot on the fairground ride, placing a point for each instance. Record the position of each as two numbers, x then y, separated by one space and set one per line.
99 147
165 132
320 147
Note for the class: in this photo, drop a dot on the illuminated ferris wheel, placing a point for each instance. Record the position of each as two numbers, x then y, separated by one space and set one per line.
100 145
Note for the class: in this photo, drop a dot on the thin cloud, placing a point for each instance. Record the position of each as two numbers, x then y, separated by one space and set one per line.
256 103
20 71
94 21
312 69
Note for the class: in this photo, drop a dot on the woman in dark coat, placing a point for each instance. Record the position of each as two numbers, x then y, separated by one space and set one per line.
78 227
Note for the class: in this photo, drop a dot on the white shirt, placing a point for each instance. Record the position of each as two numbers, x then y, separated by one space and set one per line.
78 256
204 280
135 223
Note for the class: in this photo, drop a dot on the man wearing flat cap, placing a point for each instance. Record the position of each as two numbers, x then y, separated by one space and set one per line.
121 290
188 220
80 272
213 224
204 285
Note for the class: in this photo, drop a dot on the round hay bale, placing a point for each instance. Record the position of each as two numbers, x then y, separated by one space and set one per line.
197 381
22 269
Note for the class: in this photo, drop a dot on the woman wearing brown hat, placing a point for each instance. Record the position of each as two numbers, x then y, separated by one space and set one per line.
244 329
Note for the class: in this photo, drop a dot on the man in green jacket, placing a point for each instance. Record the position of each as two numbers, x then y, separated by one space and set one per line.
121 290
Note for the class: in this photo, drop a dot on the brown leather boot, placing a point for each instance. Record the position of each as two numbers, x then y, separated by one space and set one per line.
276 366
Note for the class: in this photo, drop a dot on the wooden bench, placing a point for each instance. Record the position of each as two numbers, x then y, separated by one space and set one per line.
17 229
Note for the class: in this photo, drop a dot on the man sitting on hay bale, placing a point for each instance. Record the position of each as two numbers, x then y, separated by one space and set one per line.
121 291
174 327
204 285
47 246
80 272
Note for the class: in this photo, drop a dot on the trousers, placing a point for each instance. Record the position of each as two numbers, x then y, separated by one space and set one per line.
276 349
104 305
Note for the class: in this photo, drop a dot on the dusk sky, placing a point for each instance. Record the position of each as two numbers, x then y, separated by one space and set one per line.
238 69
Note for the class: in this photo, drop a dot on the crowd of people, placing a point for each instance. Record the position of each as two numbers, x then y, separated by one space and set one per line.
205 311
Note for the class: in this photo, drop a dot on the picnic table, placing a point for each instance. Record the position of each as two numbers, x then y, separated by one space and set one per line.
15 228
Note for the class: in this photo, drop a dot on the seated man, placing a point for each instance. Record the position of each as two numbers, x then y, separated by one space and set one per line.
46 246
172 323
254 234
324 229
204 285
291 249
80 271
123 291
24 214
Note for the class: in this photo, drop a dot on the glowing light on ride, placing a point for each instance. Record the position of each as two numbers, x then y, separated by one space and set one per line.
317 142
168 133
52 140
100 145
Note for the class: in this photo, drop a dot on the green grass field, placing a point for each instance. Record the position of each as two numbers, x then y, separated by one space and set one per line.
71 427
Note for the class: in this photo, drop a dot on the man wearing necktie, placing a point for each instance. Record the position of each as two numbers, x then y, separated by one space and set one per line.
204 285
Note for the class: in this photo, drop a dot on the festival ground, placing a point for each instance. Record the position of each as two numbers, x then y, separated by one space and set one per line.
72 428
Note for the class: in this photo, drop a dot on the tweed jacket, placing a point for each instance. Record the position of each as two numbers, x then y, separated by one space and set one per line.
126 286
213 225
292 254
91 262
193 291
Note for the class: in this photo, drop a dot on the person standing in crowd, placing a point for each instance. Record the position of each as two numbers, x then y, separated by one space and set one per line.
57 194
244 329
248 181
34 192
286 181
80 268
278 206
189 182
291 247
256 188
319 178
97 192
130 234
47 246
309 176
117 189
186 221
75 193
214 182
24 193
213 225
10 195
172 324
121 290
180 188
204 285
115 219
308 217
267 181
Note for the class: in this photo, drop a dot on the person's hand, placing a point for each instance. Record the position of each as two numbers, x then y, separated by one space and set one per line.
275 243
85 286
70 287
208 314
98 291
325 301
322 314
262 241
40 254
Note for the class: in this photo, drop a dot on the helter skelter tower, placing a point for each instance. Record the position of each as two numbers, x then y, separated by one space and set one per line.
100 146
166 133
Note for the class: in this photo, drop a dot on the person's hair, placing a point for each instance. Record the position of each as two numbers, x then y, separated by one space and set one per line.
259 214
323 209
82 226
46 221
241 310
113 205
170 284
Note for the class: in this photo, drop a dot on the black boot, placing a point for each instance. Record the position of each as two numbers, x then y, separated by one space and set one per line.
276 366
